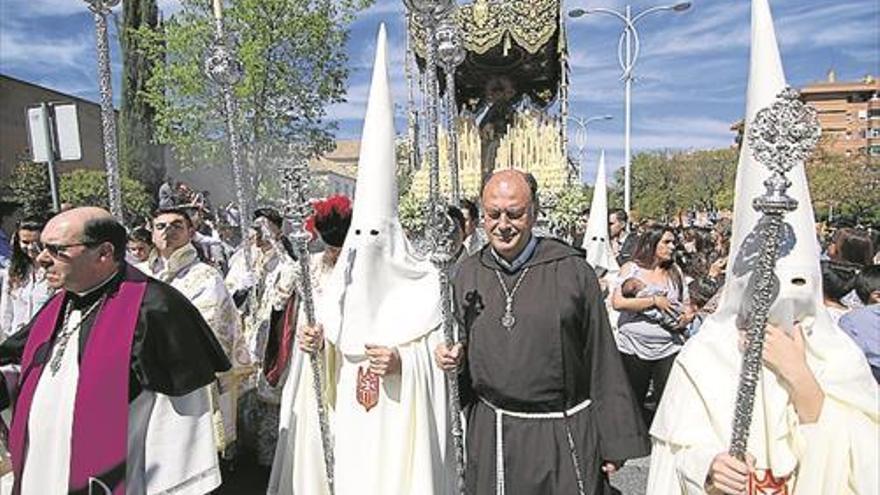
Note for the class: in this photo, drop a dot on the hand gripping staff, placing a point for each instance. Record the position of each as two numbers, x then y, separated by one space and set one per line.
442 237
295 179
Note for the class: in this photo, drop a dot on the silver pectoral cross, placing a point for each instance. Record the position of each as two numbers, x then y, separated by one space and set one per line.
508 320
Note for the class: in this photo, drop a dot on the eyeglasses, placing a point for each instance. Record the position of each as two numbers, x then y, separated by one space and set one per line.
176 225
59 250
513 214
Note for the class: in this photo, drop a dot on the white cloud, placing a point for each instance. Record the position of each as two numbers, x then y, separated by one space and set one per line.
47 8
27 53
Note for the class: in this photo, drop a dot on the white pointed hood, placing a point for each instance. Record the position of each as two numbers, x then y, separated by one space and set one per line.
835 360
597 242
379 292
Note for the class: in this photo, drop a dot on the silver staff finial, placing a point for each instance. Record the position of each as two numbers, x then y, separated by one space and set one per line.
781 137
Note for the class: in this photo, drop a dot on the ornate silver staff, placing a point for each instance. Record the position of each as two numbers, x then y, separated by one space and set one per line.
781 137
441 230
451 54
222 68
428 13
443 256
100 8
295 179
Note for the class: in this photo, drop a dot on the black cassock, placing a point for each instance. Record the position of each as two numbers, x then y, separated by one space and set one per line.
174 351
560 353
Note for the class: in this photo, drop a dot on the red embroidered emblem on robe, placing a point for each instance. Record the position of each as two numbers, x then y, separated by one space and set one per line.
768 485
367 388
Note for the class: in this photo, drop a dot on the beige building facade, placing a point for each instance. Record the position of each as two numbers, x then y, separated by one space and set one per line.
16 96
849 112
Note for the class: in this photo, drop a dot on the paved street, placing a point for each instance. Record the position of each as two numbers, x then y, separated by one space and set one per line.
248 479
631 480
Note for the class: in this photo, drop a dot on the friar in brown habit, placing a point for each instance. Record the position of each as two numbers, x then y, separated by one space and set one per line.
548 406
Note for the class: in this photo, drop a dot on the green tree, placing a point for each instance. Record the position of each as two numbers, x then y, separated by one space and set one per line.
654 179
80 187
29 185
848 185
412 214
564 210
84 187
140 156
709 178
294 63
666 183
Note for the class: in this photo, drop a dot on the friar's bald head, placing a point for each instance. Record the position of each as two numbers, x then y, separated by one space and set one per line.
509 211
82 247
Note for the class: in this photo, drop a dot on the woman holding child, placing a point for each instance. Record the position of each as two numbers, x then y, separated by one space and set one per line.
653 302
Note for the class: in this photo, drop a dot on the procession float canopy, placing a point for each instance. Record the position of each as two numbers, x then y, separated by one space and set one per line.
511 92
511 45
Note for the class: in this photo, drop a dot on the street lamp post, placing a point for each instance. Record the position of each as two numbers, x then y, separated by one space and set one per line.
627 55
100 9
580 139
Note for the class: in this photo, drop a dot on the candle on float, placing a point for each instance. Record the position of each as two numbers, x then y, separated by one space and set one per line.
218 9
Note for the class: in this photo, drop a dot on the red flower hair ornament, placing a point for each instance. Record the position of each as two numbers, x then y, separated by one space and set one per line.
331 219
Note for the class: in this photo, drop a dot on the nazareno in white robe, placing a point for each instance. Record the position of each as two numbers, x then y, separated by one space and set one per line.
381 293
836 455
298 467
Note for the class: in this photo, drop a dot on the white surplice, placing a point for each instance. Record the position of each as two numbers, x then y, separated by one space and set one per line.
157 426
50 422
203 285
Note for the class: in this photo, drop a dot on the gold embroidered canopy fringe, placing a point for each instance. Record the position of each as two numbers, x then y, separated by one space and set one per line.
504 37
486 24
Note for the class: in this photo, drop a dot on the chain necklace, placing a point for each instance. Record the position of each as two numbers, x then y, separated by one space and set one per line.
508 320
64 336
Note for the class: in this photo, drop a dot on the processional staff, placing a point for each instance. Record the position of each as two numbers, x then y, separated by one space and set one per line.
295 179
101 8
451 54
222 68
441 231
781 137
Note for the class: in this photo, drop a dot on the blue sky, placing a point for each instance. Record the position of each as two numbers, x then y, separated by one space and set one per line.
691 75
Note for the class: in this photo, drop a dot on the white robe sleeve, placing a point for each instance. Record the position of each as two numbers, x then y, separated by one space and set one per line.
5 309
678 470
285 284
838 453
681 467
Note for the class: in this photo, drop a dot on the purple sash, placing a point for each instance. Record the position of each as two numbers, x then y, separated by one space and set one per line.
100 419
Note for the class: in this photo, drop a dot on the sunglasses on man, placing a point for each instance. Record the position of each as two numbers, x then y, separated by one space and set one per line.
60 250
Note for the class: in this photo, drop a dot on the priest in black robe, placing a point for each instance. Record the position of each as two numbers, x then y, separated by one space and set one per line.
548 405
161 439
